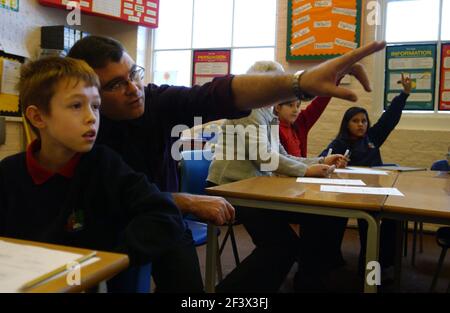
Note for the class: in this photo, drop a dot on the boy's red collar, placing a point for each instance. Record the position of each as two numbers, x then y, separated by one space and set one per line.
39 174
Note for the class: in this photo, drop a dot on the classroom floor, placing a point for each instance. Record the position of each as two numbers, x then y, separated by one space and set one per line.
345 279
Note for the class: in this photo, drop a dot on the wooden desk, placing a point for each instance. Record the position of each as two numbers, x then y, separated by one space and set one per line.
91 275
427 199
284 193
427 196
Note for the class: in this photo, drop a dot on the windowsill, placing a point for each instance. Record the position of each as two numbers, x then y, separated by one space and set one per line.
425 121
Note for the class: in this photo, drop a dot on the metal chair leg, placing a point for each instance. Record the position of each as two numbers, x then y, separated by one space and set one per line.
224 241
438 270
421 237
219 264
414 245
405 238
234 246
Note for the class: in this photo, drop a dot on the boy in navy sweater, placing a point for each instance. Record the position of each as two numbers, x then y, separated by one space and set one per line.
64 191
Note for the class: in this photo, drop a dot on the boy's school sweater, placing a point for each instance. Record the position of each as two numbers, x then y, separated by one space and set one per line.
96 202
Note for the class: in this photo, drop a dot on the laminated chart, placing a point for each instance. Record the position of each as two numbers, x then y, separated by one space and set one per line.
320 29
417 62
444 93
141 12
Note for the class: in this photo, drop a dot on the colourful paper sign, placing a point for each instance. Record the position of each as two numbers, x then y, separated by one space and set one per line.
322 28
208 64
444 91
417 62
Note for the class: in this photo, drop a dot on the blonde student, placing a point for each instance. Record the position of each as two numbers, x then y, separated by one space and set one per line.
256 151
63 190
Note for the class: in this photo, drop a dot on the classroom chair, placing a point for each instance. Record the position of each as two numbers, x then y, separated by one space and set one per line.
135 279
443 233
443 240
194 166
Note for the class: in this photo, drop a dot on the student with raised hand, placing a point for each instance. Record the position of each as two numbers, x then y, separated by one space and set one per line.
64 190
137 120
277 245
364 142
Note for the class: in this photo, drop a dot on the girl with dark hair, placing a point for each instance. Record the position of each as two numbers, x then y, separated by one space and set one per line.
364 142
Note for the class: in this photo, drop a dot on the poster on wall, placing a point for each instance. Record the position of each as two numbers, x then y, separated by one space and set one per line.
417 62
144 13
322 29
12 5
208 64
444 92
10 66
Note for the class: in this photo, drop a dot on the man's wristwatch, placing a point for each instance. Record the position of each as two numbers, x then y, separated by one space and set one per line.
301 95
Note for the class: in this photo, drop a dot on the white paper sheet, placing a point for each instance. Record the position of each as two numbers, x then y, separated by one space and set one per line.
310 180
20 264
359 170
362 190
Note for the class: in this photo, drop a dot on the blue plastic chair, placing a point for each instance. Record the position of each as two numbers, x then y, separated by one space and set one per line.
135 279
441 165
194 167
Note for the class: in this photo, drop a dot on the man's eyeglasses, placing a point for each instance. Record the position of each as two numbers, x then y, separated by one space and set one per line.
136 76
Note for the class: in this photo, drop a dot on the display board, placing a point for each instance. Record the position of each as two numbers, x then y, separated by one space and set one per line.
12 5
444 91
417 62
141 12
208 64
9 77
322 29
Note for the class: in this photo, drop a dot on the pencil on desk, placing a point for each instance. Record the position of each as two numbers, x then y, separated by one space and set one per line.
55 272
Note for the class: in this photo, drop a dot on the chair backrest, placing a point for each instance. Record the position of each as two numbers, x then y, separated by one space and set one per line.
194 167
441 165
133 280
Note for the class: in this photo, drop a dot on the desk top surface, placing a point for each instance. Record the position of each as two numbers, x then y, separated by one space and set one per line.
109 265
286 189
426 194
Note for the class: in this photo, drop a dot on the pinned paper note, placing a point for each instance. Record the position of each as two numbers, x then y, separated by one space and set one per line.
10 76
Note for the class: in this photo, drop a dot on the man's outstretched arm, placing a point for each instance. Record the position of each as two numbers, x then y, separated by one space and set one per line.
253 91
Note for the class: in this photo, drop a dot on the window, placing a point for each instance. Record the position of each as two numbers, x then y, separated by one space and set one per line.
401 27
247 27
415 22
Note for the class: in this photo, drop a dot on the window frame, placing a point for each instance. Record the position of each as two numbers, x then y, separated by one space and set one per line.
435 120
232 47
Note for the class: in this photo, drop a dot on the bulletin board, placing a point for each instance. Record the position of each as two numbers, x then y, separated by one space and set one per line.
417 62
140 12
9 102
12 5
322 29
208 64
444 92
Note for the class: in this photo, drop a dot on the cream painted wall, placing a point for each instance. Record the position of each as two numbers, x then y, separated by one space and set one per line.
409 147
21 30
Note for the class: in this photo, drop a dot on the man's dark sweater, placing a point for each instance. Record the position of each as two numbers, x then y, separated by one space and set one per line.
145 143
115 209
